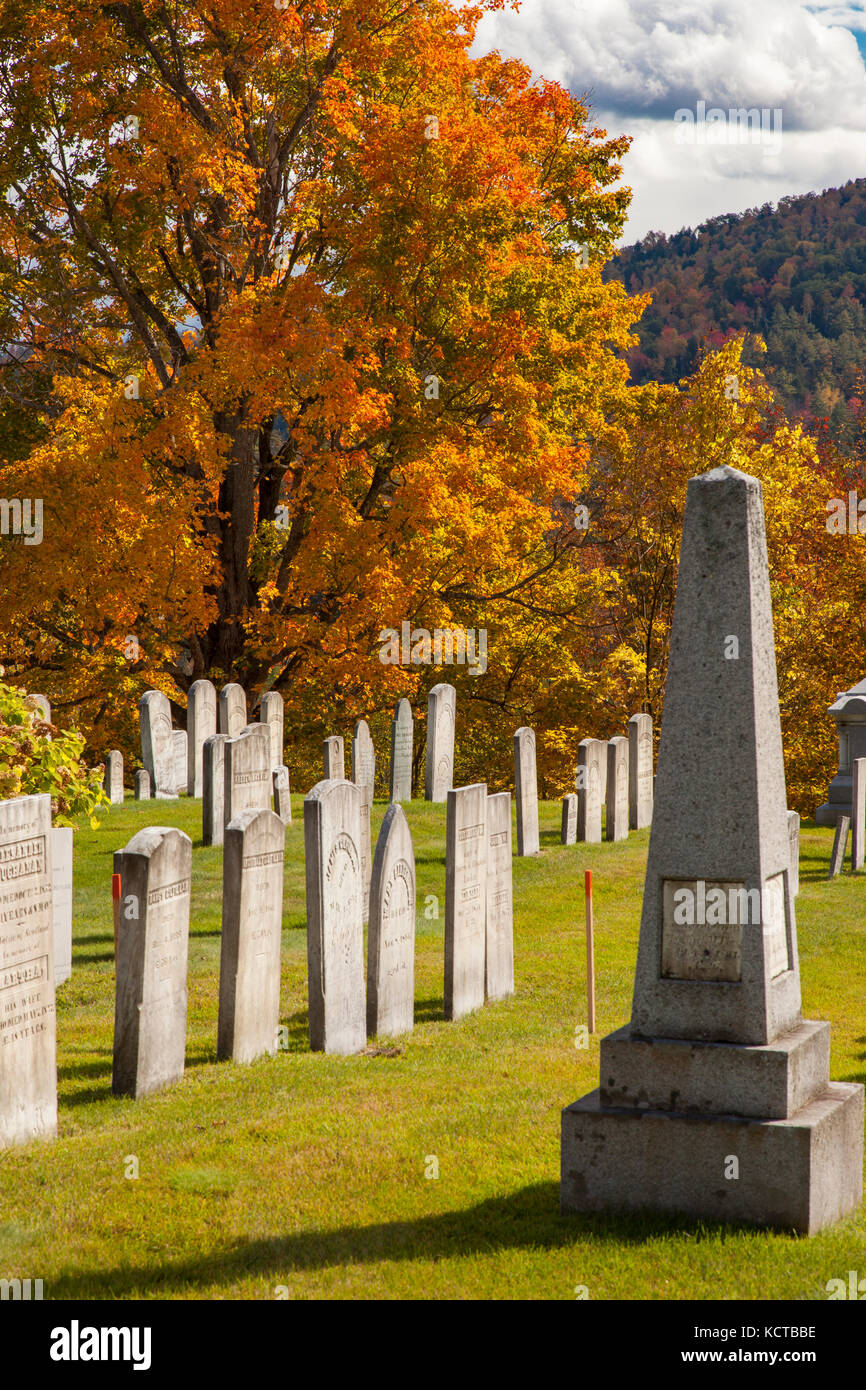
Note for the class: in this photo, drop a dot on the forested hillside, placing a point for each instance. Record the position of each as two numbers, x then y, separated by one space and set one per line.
795 274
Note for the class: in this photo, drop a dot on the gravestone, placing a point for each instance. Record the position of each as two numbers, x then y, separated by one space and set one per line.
334 759
181 759
402 736
391 938
526 792
640 771
717 1062
439 767
61 889
272 713
232 709
282 798
152 947
247 772
499 930
28 1048
840 844
849 713
616 807
568 828
591 755
213 789
142 784
363 757
858 812
335 929
157 746
113 781
249 1001
794 842
201 724
465 899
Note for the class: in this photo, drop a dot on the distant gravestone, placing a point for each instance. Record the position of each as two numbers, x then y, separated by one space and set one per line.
402 727
282 798
142 784
526 792
335 929
499 951
181 759
568 828
201 724
465 899
213 789
247 772
391 939
591 753
28 1049
840 844
858 812
232 709
363 757
334 759
640 771
61 885
157 746
439 768
272 713
794 843
114 777
249 1003
152 949
616 811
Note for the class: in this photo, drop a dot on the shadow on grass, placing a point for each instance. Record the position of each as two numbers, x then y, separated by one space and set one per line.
524 1220
430 1010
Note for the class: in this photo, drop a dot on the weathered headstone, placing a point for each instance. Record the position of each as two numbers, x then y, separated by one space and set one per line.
640 771
465 899
840 844
181 759
439 768
591 755
334 759
616 807
272 713
142 784
568 828
113 781
858 812
201 724
157 745
247 772
282 797
717 1063
499 931
61 885
213 789
849 714
794 842
363 757
28 1050
402 734
232 709
152 949
335 930
391 939
249 1005
526 792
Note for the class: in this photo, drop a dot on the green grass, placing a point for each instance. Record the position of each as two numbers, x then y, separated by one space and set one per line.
308 1172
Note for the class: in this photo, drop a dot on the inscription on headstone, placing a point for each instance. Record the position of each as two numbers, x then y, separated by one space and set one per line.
249 1003
201 724
591 753
157 745
391 939
616 812
142 784
335 930
465 899
152 949
181 759
271 712
28 1055
439 769
640 771
402 733
334 758
499 953
247 772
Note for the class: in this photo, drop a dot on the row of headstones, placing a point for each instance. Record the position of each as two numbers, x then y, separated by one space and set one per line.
155 871
618 772
855 824
174 759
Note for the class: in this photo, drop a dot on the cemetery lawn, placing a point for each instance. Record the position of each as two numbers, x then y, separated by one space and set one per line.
306 1176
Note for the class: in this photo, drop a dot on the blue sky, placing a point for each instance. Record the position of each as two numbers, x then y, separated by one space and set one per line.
651 67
